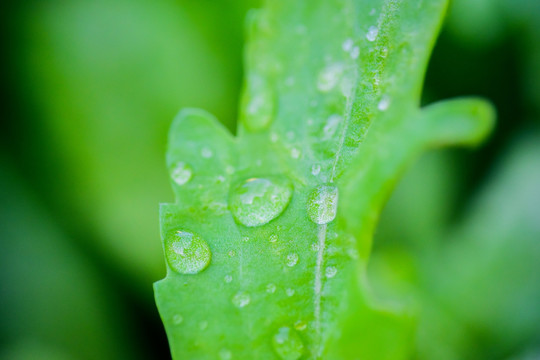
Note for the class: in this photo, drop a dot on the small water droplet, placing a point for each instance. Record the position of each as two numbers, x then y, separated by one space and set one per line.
245 238
187 253
300 325
178 319
315 246
232 253
384 104
241 299
181 172
315 169
322 204
295 153
271 288
260 103
292 259
332 124
290 292
287 344
203 325
229 169
372 12
347 45
355 52
289 81
220 179
206 153
257 201
228 278
330 271
329 77
274 137
372 33
273 238
225 354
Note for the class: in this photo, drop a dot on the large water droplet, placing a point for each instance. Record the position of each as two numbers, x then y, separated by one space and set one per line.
287 344
241 299
329 77
257 201
322 204
187 253
181 172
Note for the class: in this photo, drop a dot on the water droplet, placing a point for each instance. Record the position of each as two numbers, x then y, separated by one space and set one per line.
315 169
295 153
372 33
300 325
229 169
274 137
384 104
329 77
289 81
178 319
273 238
241 299
225 354
257 201
331 126
187 253
287 344
232 253
203 325
372 12
292 259
260 105
181 173
347 45
355 52
228 278
206 153
330 271
271 288
322 204
245 238
315 246
290 292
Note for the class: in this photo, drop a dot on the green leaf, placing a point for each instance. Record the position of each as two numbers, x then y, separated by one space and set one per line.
329 110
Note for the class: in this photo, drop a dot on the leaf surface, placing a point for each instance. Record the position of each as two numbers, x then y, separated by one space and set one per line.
330 110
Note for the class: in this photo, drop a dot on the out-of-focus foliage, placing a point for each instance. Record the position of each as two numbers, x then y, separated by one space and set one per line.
90 88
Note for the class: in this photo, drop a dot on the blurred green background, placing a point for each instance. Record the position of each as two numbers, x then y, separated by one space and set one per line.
89 90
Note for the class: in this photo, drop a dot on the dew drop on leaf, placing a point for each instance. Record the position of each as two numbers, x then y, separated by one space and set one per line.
187 253
329 77
181 172
315 169
206 153
178 319
330 271
289 292
271 288
287 344
273 238
225 354
372 33
292 259
295 153
300 325
384 103
257 201
241 299
228 278
322 204
347 45
260 104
